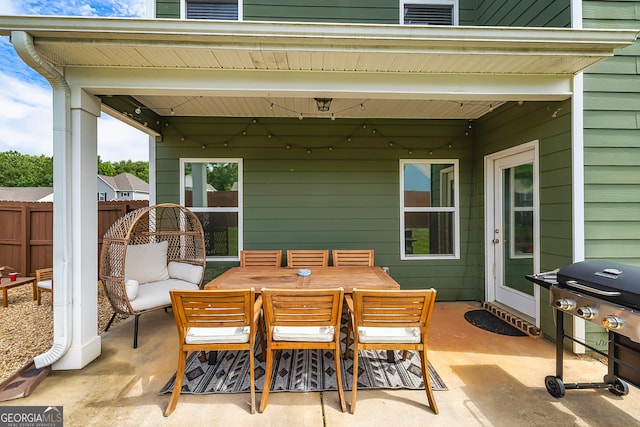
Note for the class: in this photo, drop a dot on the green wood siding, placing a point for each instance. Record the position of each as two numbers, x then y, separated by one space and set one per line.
612 135
508 13
340 11
513 125
347 197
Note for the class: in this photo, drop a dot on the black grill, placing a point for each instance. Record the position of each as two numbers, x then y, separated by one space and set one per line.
606 294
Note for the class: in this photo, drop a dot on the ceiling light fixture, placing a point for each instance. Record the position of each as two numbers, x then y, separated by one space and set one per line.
323 104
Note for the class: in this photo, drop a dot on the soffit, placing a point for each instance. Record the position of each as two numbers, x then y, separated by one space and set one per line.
133 43
332 49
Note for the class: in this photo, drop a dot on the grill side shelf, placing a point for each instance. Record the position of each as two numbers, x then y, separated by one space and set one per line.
542 280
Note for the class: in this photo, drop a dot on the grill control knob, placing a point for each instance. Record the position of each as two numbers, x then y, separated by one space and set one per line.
587 312
612 322
565 304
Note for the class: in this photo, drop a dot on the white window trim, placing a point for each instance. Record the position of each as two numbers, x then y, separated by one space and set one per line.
454 3
456 211
183 9
239 209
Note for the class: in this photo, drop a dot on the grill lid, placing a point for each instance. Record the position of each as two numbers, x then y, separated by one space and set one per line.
619 283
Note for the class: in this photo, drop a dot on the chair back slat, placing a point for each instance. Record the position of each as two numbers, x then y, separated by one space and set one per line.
212 308
352 257
308 258
393 308
303 307
261 258
44 274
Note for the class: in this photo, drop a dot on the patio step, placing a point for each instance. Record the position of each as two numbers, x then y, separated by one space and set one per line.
513 320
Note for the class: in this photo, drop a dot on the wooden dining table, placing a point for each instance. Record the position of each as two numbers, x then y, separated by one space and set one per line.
347 278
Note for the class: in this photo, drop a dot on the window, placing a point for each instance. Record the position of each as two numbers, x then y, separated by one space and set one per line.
102 196
229 10
520 181
212 189
429 12
429 217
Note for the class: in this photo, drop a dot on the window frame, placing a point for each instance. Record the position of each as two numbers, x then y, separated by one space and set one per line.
239 210
183 9
455 209
453 3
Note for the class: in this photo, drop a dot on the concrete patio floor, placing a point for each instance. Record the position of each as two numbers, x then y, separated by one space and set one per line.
493 380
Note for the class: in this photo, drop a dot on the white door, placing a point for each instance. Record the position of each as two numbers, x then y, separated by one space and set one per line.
512 229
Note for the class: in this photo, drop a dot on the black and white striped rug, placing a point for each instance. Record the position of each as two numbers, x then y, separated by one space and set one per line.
303 371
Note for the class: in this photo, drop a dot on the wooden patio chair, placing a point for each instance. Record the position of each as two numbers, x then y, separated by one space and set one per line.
215 320
308 258
352 257
390 320
44 282
302 319
261 258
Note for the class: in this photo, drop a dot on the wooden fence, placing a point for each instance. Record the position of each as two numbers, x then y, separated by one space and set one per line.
26 231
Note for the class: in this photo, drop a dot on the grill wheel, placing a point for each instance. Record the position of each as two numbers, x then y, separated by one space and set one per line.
555 386
619 387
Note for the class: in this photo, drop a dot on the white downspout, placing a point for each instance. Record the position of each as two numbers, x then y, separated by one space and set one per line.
62 310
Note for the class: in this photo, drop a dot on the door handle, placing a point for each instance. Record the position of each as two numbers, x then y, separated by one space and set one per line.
495 241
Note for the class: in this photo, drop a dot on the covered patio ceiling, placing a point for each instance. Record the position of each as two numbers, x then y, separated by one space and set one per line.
274 69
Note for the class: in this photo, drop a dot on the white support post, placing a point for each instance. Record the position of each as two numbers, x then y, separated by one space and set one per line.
81 194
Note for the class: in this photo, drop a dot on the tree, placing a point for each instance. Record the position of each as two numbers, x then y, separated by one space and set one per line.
21 170
24 170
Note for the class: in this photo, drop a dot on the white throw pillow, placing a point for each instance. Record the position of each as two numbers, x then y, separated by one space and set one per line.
147 263
184 271
131 286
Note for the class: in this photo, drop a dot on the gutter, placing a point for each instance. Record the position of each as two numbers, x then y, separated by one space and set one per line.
62 243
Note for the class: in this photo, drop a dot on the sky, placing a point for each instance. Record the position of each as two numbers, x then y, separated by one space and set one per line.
26 98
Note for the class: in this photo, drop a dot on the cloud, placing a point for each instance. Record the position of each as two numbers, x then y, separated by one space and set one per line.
121 8
26 102
26 119
119 141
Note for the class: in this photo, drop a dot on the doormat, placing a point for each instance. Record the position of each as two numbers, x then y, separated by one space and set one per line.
302 371
23 382
487 321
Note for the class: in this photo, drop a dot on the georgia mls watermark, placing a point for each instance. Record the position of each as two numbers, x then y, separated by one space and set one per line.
30 416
